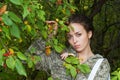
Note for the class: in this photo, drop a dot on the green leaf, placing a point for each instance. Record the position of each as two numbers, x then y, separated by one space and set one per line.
72 60
65 28
84 68
73 71
68 71
41 15
21 56
14 30
68 60
114 78
7 32
14 17
10 62
36 59
30 63
44 34
25 11
118 75
17 2
55 41
1 56
7 20
50 78
19 67
58 48
32 50
114 73
67 12
68 66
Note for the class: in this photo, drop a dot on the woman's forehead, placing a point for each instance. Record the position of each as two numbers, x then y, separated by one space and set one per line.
75 27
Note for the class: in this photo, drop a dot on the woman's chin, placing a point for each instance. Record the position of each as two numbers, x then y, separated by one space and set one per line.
78 50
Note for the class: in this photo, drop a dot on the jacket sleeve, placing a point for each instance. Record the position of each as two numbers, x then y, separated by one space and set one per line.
51 64
38 48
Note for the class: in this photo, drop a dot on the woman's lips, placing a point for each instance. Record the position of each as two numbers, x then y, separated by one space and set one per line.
77 46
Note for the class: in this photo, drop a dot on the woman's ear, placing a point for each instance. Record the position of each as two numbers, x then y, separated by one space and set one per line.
89 34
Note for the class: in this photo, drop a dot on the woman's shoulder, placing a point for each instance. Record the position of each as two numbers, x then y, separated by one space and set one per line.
92 60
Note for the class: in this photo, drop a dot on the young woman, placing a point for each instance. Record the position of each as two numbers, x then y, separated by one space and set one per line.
81 31
79 36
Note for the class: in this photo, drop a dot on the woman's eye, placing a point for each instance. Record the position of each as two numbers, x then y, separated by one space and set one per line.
78 34
69 37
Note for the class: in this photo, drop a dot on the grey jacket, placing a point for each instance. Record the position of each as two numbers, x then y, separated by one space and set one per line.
53 64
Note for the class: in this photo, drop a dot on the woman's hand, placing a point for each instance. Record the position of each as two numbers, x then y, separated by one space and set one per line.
54 26
65 55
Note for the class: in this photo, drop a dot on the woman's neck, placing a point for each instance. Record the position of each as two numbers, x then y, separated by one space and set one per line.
84 55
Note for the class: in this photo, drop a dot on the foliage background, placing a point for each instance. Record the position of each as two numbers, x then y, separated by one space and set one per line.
23 21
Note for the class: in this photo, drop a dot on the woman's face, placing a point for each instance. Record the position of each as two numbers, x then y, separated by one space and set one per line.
78 37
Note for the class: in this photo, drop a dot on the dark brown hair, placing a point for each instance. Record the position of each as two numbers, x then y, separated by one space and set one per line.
83 20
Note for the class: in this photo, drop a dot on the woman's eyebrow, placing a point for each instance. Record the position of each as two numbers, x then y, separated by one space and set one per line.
77 32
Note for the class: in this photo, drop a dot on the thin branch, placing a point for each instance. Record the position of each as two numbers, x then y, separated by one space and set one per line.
96 8
110 25
114 46
3 45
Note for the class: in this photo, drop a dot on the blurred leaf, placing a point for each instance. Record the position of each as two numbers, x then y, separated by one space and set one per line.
44 34
30 63
68 60
7 20
36 59
118 75
28 28
41 15
114 78
68 12
68 66
84 68
17 2
32 50
14 17
55 41
1 56
21 56
7 32
10 62
114 73
19 67
58 48
50 78
72 60
14 30
73 71
25 11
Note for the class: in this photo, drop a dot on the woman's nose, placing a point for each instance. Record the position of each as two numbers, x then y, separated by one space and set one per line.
74 40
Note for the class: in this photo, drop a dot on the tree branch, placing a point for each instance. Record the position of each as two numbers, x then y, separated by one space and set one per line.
114 46
96 8
110 25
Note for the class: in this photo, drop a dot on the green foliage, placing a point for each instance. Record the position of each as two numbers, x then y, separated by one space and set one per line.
10 62
17 2
50 78
116 74
23 21
73 66
1 56
21 56
19 67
